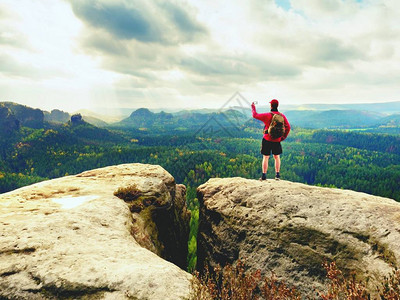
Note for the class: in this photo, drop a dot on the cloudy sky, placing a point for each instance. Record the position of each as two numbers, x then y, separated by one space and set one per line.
73 54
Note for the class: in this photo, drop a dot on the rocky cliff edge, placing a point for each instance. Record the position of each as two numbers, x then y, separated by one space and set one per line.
73 237
291 229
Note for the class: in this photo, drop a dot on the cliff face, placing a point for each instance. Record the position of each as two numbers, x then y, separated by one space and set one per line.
27 116
8 122
73 237
291 229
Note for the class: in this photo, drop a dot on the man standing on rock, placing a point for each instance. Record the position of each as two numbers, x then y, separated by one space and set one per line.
276 130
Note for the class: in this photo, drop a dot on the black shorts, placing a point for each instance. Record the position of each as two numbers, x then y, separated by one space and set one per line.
267 147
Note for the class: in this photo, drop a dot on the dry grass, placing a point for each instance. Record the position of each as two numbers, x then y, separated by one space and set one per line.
341 288
390 289
235 283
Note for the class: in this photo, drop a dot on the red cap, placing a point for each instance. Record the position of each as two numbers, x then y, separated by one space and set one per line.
274 102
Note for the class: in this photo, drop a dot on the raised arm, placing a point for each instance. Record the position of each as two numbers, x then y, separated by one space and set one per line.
255 114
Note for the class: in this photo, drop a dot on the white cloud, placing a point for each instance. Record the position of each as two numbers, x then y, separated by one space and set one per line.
198 53
45 67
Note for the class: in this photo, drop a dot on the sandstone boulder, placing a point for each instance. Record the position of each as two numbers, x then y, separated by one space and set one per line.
72 237
291 229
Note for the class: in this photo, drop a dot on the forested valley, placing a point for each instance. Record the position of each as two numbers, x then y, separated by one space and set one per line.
365 162
360 161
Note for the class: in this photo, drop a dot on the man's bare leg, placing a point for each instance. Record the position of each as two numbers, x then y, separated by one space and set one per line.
277 165
265 163
264 167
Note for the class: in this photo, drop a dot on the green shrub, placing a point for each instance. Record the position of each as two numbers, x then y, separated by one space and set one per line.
192 242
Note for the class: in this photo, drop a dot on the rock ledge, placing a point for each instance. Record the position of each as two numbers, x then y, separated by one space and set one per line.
291 229
71 237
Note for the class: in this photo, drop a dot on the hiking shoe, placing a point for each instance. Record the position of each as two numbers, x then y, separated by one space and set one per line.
262 179
277 176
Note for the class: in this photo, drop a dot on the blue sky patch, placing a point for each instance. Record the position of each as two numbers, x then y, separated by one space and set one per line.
285 4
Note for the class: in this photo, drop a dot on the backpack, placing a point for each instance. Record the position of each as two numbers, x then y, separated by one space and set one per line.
276 128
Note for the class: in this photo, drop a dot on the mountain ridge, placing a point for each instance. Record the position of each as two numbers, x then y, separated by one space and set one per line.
336 117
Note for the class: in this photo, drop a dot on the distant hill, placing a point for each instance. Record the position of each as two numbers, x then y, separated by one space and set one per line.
388 125
56 116
56 125
59 117
36 118
385 107
86 132
106 119
200 111
334 119
338 119
390 121
184 120
145 119
95 121
112 114
318 116
27 116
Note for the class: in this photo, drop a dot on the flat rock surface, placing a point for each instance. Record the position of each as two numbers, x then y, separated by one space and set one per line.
291 229
71 237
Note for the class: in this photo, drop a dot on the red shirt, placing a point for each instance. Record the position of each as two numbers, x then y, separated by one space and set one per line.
266 118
